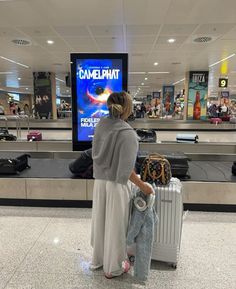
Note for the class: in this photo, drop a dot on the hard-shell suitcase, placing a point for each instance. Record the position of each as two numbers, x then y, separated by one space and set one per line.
34 136
178 161
14 166
215 120
146 135
169 208
187 138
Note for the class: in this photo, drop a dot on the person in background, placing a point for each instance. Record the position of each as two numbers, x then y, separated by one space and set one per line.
114 151
2 109
143 110
26 109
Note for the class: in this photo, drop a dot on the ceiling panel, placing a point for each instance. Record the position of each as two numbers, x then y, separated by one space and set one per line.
145 12
37 31
86 41
134 30
118 26
106 30
72 31
140 40
177 29
216 29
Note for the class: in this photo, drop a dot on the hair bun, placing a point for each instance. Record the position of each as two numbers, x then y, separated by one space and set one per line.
117 107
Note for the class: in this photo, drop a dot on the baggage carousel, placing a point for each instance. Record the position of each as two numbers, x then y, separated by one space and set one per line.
158 124
48 182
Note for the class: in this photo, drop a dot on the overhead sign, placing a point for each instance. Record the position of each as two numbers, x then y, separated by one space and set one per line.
223 82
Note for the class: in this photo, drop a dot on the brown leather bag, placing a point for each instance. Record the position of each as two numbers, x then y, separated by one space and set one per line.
156 168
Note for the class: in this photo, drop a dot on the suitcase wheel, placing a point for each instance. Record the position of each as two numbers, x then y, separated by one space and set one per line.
174 265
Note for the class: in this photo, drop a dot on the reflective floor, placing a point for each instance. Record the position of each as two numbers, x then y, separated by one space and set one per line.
42 248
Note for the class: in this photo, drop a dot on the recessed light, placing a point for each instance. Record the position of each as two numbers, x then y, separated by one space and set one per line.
142 83
19 78
60 80
145 78
5 72
137 72
50 42
213 64
12 61
158 72
171 40
155 63
26 88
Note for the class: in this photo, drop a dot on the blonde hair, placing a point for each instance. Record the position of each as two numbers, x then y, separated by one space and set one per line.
119 105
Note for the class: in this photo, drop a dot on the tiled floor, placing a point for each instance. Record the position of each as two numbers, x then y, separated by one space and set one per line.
46 248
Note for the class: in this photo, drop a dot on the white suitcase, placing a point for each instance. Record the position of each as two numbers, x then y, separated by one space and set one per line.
169 208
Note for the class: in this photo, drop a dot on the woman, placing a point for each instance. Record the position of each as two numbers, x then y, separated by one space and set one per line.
115 147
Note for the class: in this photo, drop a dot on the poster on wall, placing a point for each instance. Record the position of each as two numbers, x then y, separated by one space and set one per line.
168 99
156 94
94 78
197 95
42 94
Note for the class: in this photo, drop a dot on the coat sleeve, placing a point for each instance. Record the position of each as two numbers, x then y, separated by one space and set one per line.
127 154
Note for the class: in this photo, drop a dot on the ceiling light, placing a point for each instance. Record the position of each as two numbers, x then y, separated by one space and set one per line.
26 88
171 40
178 81
18 63
145 78
142 83
50 42
7 72
158 72
155 63
19 78
137 72
222 60
60 80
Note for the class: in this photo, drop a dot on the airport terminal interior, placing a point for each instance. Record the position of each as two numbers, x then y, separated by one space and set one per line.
59 62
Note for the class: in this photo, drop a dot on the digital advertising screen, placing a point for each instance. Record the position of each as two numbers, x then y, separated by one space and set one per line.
94 77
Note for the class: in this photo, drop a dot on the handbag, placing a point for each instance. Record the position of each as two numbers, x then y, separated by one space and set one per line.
156 169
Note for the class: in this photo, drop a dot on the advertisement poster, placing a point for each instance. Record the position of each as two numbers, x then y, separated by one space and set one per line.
168 99
95 79
197 95
42 94
156 94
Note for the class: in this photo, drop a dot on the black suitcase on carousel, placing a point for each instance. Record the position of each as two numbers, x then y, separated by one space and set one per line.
146 135
82 167
178 161
234 168
14 166
6 136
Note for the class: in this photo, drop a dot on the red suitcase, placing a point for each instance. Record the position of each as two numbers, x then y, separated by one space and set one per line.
34 136
215 120
225 118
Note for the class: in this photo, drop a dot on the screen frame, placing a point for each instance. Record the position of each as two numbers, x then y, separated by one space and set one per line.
83 145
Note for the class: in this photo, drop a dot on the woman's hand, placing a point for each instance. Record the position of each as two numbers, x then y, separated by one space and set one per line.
146 188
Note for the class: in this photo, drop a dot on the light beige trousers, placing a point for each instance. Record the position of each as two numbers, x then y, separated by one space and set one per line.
110 217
